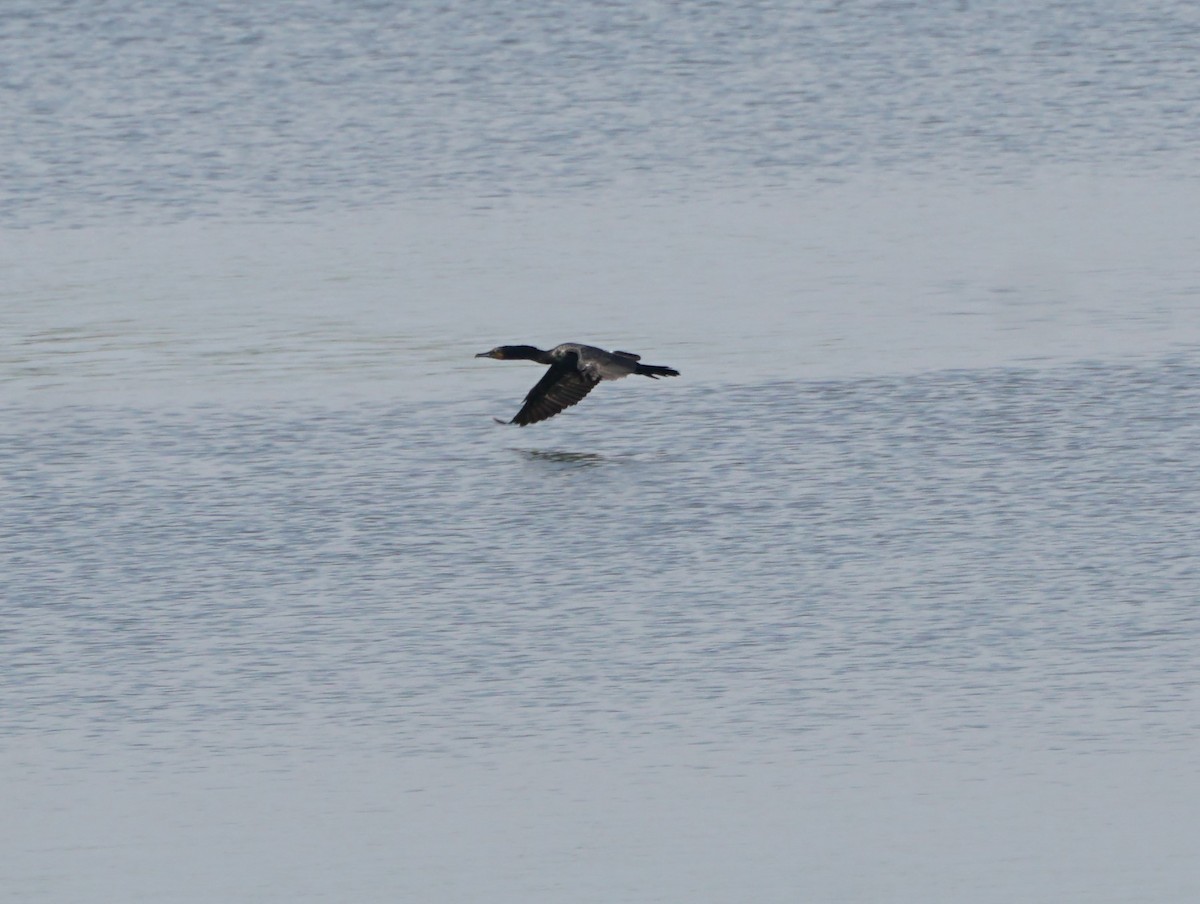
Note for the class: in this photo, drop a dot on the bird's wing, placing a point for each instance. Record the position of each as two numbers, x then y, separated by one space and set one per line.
629 355
560 387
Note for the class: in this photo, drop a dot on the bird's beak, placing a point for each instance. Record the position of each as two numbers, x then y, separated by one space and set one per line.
484 355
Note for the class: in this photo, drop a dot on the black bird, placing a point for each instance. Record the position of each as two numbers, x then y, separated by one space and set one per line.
574 372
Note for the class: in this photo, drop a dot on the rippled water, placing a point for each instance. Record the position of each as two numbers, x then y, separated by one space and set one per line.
183 109
890 597
992 571
987 553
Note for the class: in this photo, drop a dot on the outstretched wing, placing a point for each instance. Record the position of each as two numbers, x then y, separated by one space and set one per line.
560 387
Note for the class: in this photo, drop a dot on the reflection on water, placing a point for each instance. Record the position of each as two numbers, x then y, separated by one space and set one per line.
573 459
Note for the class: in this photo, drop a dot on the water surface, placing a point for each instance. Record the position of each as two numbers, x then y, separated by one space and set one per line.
890 597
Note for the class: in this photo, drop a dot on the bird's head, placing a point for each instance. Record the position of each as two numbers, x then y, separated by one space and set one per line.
497 352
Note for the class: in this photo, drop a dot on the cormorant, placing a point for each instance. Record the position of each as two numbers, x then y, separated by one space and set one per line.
574 371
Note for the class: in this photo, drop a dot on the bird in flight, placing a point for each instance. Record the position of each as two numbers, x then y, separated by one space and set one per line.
574 372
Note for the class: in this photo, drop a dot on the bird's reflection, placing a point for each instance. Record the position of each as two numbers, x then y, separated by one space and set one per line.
574 459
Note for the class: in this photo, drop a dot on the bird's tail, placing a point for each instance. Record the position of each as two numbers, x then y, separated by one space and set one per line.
654 371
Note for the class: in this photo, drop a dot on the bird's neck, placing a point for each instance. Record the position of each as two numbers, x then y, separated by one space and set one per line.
527 353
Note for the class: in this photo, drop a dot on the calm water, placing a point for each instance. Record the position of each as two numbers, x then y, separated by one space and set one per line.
891 597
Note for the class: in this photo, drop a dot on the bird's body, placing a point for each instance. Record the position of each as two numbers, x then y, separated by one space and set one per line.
575 370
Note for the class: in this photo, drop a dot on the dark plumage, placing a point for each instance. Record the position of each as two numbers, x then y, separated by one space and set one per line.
574 372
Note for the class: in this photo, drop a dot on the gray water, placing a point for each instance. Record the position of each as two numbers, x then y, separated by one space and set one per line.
890 597
985 553
181 110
